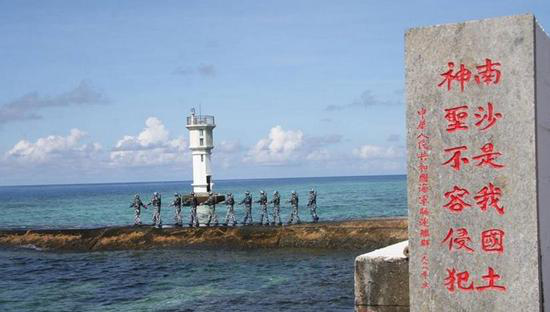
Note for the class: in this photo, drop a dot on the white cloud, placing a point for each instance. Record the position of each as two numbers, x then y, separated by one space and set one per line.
279 147
54 147
319 155
381 159
290 146
369 152
152 146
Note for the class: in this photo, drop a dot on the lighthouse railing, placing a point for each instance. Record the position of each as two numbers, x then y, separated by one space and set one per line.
200 120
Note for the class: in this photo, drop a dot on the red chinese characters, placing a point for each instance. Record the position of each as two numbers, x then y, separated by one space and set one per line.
455 197
487 117
488 157
460 281
492 240
487 73
489 196
423 154
463 121
456 159
458 239
491 279
456 117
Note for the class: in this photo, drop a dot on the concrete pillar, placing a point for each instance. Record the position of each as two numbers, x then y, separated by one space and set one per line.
382 280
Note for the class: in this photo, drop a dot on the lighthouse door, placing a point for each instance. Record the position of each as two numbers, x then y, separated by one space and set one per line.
208 183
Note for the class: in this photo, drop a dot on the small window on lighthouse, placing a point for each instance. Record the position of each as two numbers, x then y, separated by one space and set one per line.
202 158
201 141
201 132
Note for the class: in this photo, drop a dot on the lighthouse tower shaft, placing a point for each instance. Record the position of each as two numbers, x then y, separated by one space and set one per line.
201 143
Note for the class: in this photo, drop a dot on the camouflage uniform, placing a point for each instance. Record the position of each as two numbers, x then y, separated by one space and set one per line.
230 202
156 202
247 201
137 204
211 202
312 204
263 204
294 215
276 201
177 206
193 202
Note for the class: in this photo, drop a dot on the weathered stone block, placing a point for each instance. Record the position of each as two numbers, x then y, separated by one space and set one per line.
478 120
382 280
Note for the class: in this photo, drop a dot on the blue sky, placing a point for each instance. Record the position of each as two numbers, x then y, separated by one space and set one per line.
98 91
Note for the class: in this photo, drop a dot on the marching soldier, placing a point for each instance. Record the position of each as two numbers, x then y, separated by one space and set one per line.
276 201
263 204
312 204
137 204
156 202
230 202
193 203
211 202
177 207
294 215
247 201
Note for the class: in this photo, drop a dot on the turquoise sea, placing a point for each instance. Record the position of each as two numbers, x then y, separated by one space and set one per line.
183 279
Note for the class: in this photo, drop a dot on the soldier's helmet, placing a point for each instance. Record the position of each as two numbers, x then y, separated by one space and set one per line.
155 193
176 194
136 196
312 191
275 193
293 192
261 192
247 193
229 194
210 193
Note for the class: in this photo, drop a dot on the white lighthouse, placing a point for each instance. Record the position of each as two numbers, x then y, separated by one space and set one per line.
201 143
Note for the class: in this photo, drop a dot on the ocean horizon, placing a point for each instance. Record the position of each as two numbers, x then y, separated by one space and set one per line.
184 279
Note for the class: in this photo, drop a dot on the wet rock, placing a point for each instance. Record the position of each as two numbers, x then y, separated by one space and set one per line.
362 235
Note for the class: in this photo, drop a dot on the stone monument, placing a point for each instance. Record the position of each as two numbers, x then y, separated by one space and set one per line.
478 120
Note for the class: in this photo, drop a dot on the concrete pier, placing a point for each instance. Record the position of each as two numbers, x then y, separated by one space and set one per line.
363 236
382 280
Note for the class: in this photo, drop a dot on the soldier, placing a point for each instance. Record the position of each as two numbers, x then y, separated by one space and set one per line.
193 202
312 204
294 215
156 202
177 206
230 202
211 202
263 204
137 204
276 201
247 201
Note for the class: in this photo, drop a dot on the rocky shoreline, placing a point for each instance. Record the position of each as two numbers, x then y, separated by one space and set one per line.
360 235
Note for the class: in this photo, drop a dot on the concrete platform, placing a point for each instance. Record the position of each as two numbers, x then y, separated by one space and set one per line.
382 280
363 236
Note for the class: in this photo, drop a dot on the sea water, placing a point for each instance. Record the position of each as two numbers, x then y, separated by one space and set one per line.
183 279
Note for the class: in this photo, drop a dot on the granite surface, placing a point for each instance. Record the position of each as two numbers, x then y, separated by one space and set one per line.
455 274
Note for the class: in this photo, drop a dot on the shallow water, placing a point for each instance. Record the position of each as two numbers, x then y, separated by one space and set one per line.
176 280
183 279
93 205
